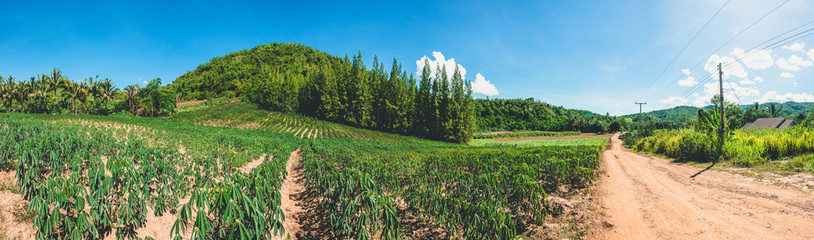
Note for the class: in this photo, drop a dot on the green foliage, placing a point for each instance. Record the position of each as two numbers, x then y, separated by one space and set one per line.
803 163
155 100
528 114
524 134
598 141
54 93
754 112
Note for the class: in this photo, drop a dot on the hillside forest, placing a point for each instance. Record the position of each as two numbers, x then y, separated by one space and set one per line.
297 78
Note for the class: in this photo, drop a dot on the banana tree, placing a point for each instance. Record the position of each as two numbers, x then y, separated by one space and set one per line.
76 92
709 121
106 90
39 95
131 92
9 93
54 80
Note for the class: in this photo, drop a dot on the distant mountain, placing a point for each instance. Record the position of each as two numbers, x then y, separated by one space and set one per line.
788 109
676 113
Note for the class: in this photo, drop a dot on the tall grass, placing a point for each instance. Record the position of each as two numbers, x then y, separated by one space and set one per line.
742 148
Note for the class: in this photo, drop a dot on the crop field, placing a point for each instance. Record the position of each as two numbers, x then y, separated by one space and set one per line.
215 171
481 192
87 177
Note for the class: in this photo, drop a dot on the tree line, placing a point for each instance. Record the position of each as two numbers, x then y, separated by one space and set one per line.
297 78
529 114
55 93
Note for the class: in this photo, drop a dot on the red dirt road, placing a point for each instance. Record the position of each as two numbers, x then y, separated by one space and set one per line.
647 197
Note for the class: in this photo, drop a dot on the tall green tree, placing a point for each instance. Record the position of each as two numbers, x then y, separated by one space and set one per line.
773 110
424 103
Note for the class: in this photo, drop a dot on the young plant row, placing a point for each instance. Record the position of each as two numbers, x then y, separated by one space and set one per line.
84 183
491 193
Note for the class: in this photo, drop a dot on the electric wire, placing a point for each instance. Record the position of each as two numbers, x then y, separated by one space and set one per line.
727 42
684 48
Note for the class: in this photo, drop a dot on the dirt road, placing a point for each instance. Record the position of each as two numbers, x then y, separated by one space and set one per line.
645 197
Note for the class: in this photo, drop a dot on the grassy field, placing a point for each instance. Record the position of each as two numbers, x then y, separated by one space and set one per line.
597 141
215 170
524 134
744 148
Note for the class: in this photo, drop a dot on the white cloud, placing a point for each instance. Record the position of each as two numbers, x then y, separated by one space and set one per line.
772 96
687 82
746 82
479 86
740 91
793 63
674 100
794 83
687 71
798 61
755 59
730 90
483 87
738 53
758 79
811 54
730 67
710 89
795 47
441 61
785 65
786 75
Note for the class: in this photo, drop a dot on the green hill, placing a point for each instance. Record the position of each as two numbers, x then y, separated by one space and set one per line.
788 109
677 113
295 78
528 114
240 72
680 113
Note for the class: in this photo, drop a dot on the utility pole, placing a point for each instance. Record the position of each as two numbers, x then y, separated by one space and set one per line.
721 109
640 115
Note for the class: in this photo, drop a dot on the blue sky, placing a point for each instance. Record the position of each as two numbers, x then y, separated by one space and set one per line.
594 55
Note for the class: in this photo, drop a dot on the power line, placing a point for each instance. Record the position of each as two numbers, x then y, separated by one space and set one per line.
750 52
774 45
684 48
731 39
639 125
734 92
